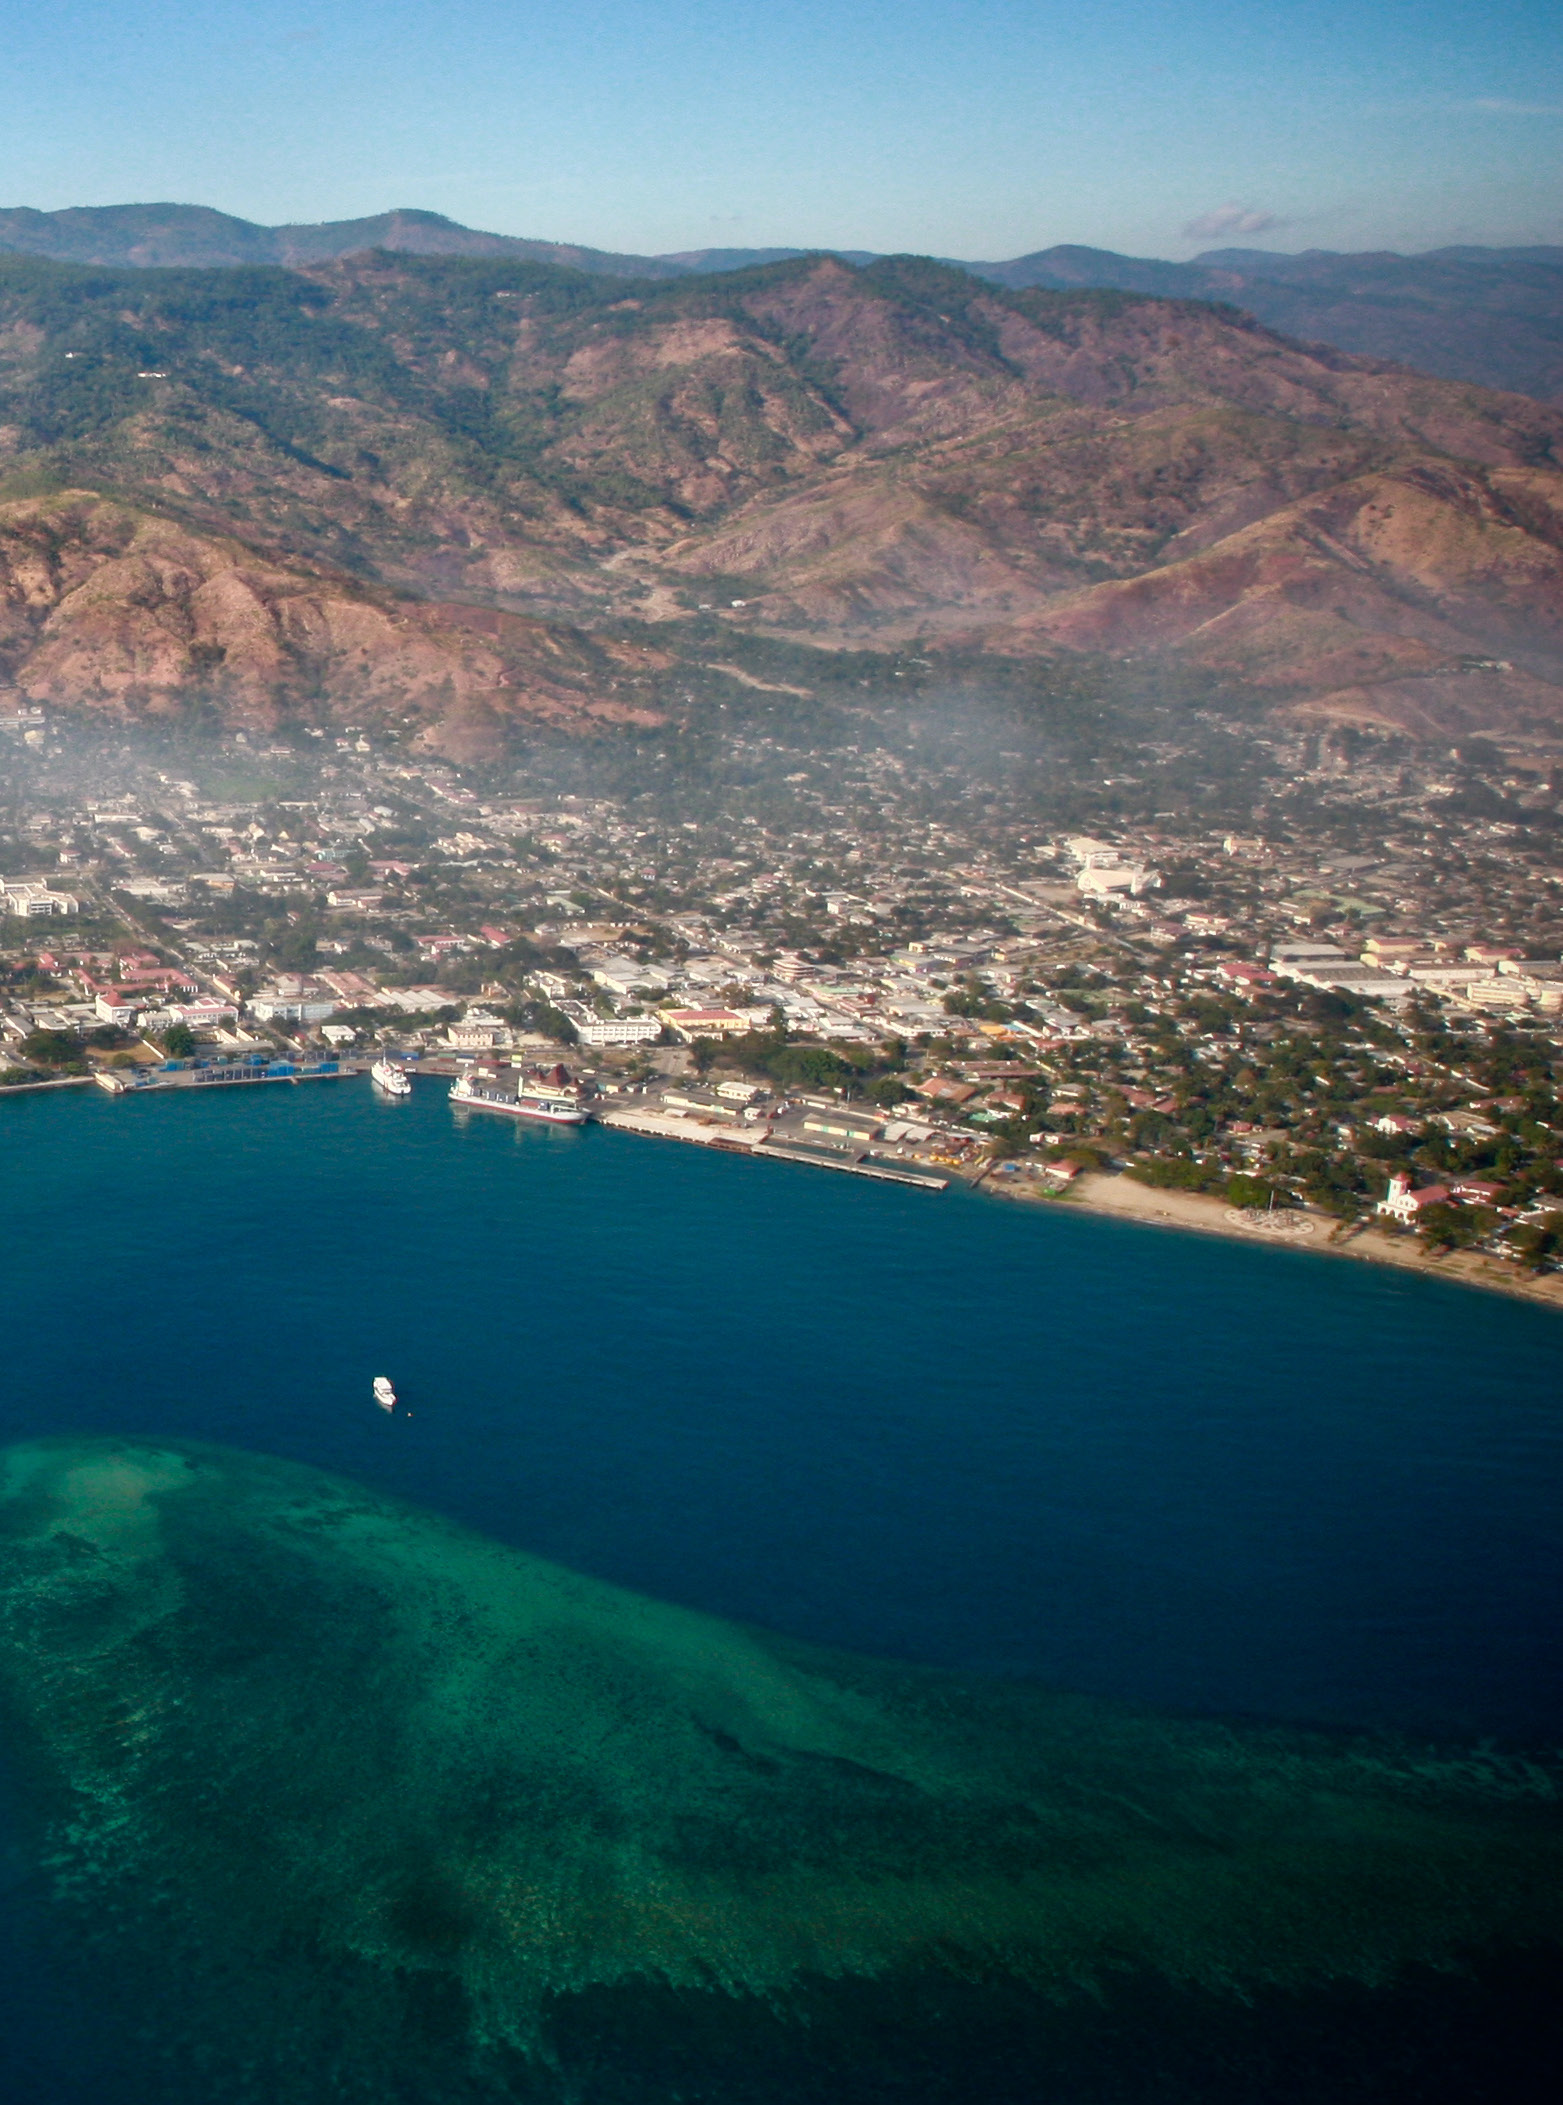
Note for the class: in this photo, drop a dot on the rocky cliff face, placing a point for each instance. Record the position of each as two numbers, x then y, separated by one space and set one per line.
462 489
118 612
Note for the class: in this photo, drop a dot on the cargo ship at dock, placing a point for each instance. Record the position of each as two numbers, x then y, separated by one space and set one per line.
515 1095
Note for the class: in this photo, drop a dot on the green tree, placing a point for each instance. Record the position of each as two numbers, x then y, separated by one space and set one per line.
810 1067
296 950
52 1048
1083 1156
535 1015
888 1090
1448 1227
1249 1191
1009 1139
1539 1242
1172 1173
178 1041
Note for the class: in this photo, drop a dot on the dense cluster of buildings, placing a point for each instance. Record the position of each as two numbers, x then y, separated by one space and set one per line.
1155 991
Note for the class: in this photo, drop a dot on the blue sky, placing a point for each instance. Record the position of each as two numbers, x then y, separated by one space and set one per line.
975 128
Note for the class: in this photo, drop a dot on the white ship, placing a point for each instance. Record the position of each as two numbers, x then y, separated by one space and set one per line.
386 1075
486 1089
384 1394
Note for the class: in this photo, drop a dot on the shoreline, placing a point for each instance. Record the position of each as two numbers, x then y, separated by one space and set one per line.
1122 1198
1114 1197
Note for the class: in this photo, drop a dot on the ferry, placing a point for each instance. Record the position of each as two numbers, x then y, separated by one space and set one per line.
384 1394
386 1075
486 1089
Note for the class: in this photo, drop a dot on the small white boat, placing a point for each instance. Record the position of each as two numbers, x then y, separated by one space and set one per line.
386 1075
384 1394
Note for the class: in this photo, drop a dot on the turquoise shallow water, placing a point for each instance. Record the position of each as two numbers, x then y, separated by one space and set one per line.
938 1428
1143 1467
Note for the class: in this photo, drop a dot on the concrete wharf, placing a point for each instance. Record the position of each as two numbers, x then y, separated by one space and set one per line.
763 1146
206 1074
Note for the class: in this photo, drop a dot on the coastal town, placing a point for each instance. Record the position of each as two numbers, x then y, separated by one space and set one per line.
1318 999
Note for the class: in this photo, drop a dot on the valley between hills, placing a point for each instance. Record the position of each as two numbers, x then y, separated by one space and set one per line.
466 494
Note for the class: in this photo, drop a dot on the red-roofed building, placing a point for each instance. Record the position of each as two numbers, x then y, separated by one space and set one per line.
1403 1204
943 1089
704 1023
1481 1191
1245 978
159 980
204 1015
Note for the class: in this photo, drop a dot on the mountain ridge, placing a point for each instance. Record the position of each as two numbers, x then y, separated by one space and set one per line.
1493 315
172 236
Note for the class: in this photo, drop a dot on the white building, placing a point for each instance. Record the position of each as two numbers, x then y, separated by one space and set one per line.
619 1030
1098 879
1445 979
1504 996
1403 1204
1091 853
1283 955
31 900
478 1031
622 975
611 1030
293 1008
1540 982
1329 969
199 1015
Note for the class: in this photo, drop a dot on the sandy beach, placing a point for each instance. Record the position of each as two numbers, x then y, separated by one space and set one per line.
1129 1200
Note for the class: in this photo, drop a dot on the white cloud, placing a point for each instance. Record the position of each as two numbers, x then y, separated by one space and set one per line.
1502 106
1232 219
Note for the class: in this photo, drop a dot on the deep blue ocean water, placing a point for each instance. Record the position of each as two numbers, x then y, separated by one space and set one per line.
1027 1441
943 1428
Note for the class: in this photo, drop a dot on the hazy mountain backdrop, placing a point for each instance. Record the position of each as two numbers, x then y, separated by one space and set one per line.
1493 315
467 488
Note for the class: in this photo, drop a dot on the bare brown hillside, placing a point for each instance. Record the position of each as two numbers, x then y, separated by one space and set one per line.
467 489
121 613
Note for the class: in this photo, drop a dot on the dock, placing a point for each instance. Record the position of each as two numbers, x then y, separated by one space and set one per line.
857 1165
764 1145
206 1074
758 1142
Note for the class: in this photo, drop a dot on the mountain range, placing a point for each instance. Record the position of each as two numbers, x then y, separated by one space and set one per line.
1489 314
460 490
